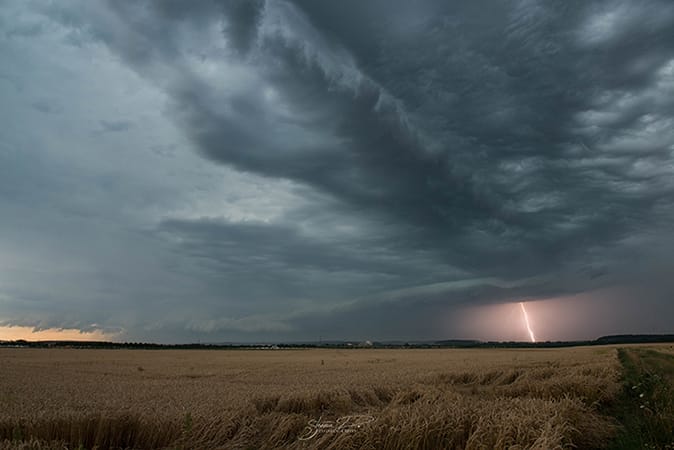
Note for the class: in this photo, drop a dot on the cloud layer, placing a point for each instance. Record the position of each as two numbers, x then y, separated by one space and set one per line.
281 170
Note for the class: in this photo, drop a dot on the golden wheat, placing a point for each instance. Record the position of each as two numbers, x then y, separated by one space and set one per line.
456 398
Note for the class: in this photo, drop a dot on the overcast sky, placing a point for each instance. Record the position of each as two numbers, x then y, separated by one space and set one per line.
275 170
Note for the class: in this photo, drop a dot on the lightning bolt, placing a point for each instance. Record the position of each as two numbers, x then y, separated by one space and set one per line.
526 320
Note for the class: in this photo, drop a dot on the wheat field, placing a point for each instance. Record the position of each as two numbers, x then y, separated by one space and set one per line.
310 398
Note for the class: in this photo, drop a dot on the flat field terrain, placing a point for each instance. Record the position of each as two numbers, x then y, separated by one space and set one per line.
316 398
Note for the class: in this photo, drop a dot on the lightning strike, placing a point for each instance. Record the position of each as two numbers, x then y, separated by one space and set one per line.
526 320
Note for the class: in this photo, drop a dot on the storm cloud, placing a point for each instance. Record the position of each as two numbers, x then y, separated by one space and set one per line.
246 170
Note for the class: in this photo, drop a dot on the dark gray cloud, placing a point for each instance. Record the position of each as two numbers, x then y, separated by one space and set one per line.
393 161
46 107
492 143
113 126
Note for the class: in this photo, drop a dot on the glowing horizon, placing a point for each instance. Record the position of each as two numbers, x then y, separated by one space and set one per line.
15 333
526 321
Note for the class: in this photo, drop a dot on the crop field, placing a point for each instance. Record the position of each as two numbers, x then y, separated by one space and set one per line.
321 398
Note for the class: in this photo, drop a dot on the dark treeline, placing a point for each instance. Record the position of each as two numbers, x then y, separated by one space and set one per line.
456 343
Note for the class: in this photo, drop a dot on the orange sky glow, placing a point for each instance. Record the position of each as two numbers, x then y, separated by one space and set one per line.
53 334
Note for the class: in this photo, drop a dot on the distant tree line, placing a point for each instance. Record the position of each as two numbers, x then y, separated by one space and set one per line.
455 343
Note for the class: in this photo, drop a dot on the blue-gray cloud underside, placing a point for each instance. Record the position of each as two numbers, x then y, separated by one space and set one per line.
443 154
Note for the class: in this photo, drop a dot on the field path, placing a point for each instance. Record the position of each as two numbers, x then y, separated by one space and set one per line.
646 407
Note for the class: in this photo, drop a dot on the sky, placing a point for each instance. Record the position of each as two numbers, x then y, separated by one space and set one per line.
238 171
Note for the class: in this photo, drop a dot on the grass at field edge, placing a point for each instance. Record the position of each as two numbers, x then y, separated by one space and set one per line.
645 407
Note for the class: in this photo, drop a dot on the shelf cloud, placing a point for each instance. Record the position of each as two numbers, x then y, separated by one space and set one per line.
250 170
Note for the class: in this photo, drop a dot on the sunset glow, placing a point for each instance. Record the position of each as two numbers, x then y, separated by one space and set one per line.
52 334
